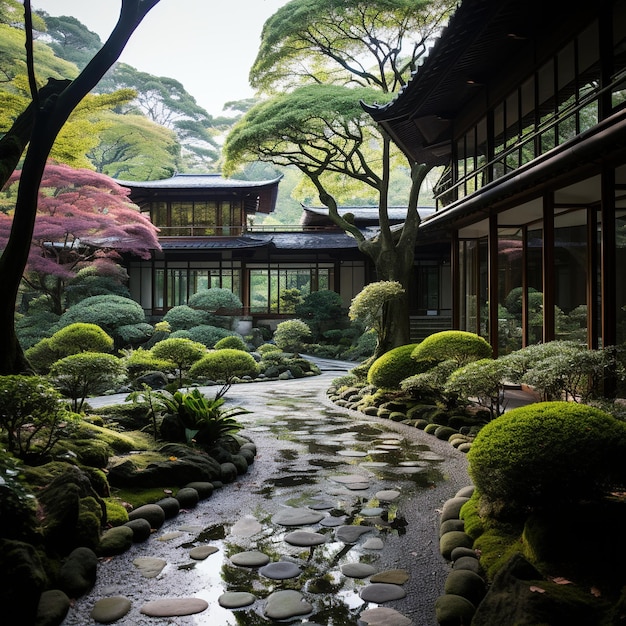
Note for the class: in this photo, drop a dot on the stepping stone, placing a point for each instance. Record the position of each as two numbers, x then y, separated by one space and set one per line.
236 599
305 539
357 570
247 526
172 607
107 610
349 479
199 553
150 567
280 570
373 543
286 604
297 517
374 464
332 522
322 505
382 592
169 536
351 534
251 558
411 464
351 453
387 495
430 456
372 511
382 616
388 446
358 486
391 576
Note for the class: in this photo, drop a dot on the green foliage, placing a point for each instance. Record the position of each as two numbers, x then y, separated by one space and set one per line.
455 345
290 299
232 341
183 317
211 301
139 362
183 352
72 339
108 312
322 310
87 373
546 455
388 370
562 369
431 383
367 306
290 335
204 420
225 365
34 327
364 347
483 380
31 416
88 282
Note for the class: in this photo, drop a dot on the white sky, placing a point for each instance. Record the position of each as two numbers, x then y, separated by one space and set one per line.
208 46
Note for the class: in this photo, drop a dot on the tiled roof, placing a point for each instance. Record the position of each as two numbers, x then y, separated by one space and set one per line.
198 181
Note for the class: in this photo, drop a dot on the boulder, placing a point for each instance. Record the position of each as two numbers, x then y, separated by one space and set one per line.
53 608
141 529
116 541
77 574
153 513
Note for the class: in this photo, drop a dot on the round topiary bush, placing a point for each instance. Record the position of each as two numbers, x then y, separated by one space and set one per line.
545 455
224 365
394 366
455 345
290 335
220 306
235 342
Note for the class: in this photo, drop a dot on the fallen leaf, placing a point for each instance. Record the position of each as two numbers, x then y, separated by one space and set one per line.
537 589
559 580
596 592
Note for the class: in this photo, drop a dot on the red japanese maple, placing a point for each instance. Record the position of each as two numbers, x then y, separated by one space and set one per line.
83 218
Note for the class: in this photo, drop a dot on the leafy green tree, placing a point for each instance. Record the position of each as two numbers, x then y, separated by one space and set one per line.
87 373
183 352
371 307
323 310
39 128
215 300
290 335
318 60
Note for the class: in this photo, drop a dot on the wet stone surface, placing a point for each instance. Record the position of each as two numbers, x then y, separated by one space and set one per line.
361 496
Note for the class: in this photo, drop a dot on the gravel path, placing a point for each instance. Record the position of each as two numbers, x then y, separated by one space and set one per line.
306 449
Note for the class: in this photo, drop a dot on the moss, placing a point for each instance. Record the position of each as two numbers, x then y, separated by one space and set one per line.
497 546
116 512
474 525
141 496
392 367
119 442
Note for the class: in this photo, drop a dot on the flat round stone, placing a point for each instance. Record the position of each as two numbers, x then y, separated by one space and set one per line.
382 616
236 599
371 511
305 539
246 527
251 558
280 570
357 570
297 517
351 534
349 479
286 604
332 522
373 543
173 607
150 567
107 610
321 504
382 592
387 495
199 553
358 486
351 453
175 534
391 576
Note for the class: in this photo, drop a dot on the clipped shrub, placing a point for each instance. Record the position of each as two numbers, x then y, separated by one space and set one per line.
211 301
107 311
548 454
77 337
183 317
206 334
224 365
182 352
88 373
35 326
290 335
323 310
140 361
394 366
429 385
234 342
483 380
453 345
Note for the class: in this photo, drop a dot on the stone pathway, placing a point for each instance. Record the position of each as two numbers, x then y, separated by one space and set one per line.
336 522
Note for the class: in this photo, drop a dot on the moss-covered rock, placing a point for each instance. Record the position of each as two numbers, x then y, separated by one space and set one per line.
187 497
141 529
53 607
153 513
451 610
451 540
22 580
465 583
77 574
116 541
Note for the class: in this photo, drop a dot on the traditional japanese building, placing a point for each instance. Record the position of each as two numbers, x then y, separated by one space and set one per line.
523 105
209 238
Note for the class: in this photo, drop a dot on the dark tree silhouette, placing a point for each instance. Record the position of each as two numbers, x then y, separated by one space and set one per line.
47 115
